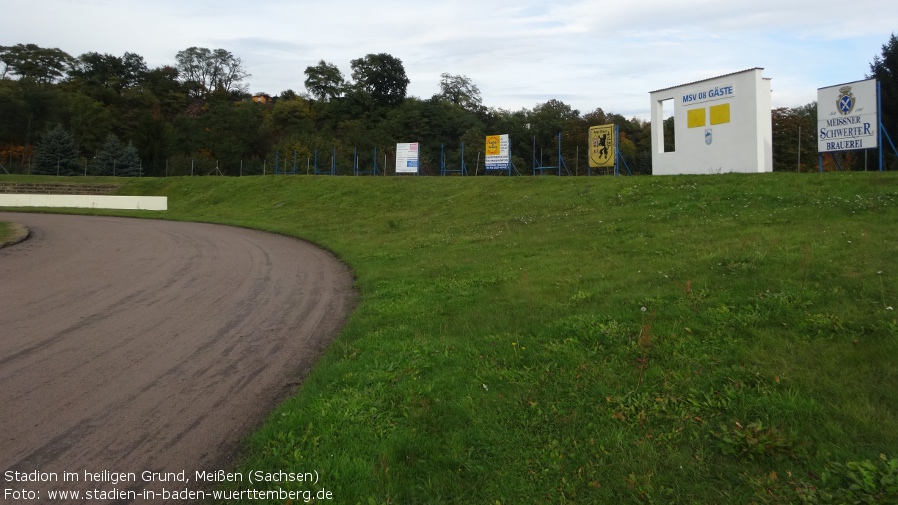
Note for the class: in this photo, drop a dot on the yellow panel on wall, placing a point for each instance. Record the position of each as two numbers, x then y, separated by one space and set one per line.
695 118
720 114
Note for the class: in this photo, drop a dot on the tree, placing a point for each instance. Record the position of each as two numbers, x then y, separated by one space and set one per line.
635 137
596 117
795 143
294 116
382 77
15 114
88 120
460 90
324 81
130 160
56 154
116 159
517 124
552 116
110 72
153 140
171 94
549 119
670 132
28 108
208 71
885 69
29 61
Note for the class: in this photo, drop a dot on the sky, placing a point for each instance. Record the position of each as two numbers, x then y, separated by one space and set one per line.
588 54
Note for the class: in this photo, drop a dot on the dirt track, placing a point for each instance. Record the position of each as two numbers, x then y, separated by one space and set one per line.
131 345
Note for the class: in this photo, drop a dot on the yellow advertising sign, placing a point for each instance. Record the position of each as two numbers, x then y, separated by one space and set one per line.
497 156
493 144
601 146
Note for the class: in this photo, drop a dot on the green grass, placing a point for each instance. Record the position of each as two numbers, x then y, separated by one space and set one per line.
708 339
5 232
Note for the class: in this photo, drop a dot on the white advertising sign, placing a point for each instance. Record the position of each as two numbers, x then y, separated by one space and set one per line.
407 158
847 117
496 157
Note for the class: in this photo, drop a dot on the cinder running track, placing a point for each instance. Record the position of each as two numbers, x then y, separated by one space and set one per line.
130 345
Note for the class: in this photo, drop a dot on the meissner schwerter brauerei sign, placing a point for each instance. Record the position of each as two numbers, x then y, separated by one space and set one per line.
847 117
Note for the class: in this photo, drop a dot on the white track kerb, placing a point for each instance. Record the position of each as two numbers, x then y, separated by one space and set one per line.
86 201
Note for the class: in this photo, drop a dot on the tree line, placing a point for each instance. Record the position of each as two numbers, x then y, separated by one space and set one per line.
115 115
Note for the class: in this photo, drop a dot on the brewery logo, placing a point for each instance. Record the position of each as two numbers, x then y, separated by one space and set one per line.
845 103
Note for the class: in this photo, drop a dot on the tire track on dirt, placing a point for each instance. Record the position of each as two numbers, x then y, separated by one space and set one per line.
129 345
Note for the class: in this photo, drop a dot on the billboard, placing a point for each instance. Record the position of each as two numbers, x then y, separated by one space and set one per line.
720 125
847 117
602 146
407 158
496 152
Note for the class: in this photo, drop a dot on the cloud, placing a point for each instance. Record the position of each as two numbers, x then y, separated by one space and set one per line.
595 54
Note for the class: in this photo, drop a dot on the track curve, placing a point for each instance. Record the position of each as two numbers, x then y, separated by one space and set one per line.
129 345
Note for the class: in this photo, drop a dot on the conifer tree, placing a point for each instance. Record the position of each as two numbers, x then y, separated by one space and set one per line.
130 161
56 154
116 159
106 160
885 69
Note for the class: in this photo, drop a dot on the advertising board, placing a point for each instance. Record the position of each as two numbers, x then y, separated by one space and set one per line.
847 117
407 158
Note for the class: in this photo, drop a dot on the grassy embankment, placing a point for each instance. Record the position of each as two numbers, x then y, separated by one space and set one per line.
5 231
716 339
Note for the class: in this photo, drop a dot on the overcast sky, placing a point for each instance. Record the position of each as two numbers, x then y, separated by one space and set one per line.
586 53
